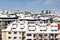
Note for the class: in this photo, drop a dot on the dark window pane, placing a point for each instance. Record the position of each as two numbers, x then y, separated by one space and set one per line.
9 32
29 39
28 34
15 32
9 37
15 37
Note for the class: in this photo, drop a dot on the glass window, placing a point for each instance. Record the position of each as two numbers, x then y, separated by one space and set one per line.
9 32
51 39
28 34
34 39
9 37
42 26
31 22
21 24
23 37
56 39
29 39
15 32
53 26
19 37
23 33
14 24
19 32
15 37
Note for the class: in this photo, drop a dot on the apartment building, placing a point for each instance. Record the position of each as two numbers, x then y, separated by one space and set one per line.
29 28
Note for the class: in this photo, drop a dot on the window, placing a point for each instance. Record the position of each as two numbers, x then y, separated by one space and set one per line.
40 39
51 39
42 30
22 26
31 25
29 39
28 34
9 37
19 32
56 39
53 26
42 26
54 30
45 39
34 35
45 34
9 32
15 37
14 26
40 35
23 37
23 33
19 37
15 32
34 39
31 28
31 22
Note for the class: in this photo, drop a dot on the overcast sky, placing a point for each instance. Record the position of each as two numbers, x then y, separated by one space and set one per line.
31 5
